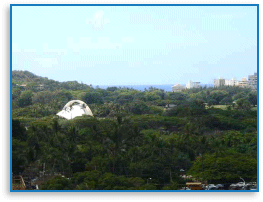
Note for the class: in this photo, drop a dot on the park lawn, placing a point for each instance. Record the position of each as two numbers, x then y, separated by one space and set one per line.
254 108
224 107
221 106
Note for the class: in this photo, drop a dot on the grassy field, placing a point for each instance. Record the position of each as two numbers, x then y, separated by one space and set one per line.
254 108
224 107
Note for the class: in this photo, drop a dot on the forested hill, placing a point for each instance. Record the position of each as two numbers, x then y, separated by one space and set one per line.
28 80
35 96
25 77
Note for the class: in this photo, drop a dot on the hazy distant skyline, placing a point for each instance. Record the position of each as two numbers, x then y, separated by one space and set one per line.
132 45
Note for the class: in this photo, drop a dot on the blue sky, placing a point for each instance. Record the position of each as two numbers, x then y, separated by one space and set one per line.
102 45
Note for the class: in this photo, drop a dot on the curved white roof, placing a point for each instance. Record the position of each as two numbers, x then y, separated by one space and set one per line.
75 108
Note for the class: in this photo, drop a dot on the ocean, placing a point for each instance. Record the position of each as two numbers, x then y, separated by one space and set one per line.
166 87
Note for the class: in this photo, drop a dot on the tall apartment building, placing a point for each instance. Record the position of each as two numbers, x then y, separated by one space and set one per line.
232 82
178 88
219 82
252 81
243 83
193 85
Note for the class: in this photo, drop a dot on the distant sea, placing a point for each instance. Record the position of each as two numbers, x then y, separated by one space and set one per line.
166 87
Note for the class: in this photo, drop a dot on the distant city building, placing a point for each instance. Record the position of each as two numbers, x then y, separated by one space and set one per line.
243 83
232 82
228 82
252 81
193 85
219 82
178 88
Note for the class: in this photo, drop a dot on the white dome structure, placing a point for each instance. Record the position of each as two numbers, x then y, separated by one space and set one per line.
75 108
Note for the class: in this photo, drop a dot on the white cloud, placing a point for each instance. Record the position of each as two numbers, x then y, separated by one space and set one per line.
98 21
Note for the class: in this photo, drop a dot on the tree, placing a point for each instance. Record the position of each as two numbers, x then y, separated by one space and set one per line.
92 98
243 104
239 95
211 102
178 97
218 95
56 183
43 97
25 98
18 130
226 101
19 156
112 89
153 95
197 106
225 169
130 144
95 180
173 186
252 98
139 107
16 92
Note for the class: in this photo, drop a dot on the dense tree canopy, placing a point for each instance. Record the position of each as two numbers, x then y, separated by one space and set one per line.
136 140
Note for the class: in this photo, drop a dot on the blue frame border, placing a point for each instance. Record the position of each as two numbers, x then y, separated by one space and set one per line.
134 4
258 98
11 98
11 5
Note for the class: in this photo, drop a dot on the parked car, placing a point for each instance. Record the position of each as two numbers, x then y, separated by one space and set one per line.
219 187
211 187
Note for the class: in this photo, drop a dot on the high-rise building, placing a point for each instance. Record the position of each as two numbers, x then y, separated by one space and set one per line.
243 83
193 85
232 82
219 82
252 81
178 88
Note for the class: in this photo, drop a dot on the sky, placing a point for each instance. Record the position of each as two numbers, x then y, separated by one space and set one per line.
135 45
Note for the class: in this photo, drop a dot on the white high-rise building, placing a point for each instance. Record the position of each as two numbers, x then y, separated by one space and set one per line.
232 82
219 82
193 85
253 81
